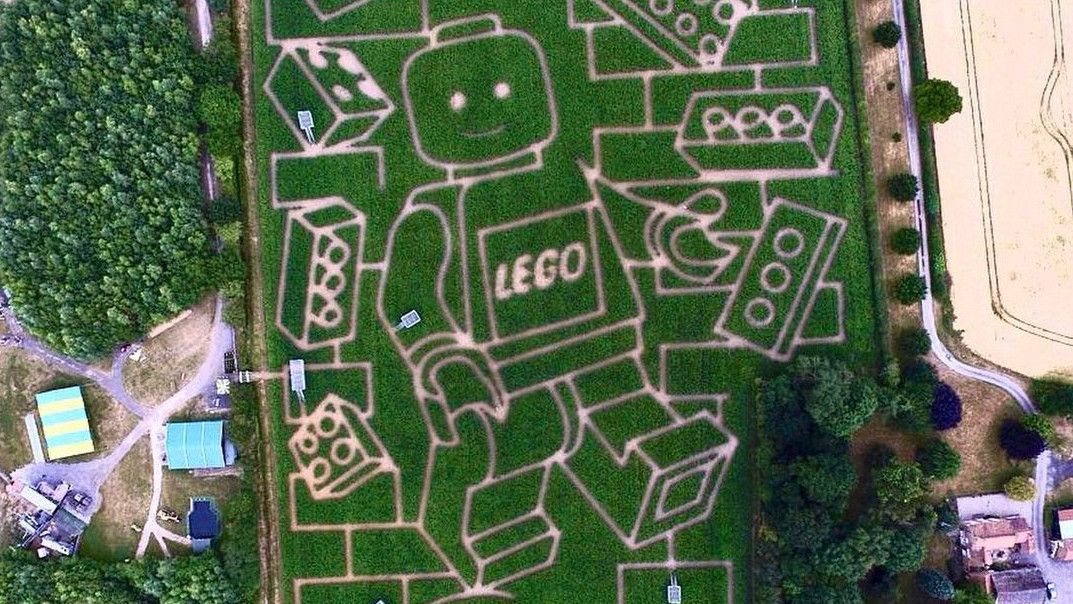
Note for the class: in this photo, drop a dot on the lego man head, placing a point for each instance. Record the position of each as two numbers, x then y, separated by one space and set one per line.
479 95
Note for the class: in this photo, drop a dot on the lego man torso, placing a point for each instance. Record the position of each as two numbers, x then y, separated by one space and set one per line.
530 270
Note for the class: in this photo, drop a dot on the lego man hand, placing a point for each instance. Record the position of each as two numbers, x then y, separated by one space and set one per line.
451 377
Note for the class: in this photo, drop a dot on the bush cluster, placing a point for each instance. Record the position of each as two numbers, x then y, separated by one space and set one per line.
887 34
909 289
905 241
903 186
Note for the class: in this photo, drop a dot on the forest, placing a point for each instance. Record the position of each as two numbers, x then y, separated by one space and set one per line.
101 224
197 579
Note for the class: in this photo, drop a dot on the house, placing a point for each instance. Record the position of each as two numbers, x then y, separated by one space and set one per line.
989 540
1062 547
198 445
1018 586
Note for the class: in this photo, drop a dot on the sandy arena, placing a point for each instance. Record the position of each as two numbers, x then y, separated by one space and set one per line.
1005 177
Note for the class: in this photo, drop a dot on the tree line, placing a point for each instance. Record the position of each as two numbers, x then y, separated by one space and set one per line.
199 579
101 225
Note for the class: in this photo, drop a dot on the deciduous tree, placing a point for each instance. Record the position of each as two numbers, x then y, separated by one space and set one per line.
1020 442
887 34
938 460
935 584
903 186
914 342
936 100
945 408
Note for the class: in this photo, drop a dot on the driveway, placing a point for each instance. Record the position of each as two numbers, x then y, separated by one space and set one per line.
1059 573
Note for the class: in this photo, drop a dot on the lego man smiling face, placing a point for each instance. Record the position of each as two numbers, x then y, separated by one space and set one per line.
480 98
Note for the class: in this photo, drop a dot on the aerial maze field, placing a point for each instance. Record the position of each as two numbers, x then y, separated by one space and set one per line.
612 216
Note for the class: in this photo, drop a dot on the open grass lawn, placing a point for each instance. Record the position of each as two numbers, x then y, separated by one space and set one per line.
22 376
180 487
124 501
171 357
555 285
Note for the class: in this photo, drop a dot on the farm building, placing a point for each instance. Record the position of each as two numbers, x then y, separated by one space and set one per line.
1018 586
1062 546
202 523
64 422
198 446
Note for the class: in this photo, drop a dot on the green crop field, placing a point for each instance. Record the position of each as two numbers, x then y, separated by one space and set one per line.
535 256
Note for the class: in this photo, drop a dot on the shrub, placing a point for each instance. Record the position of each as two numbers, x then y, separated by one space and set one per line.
225 210
936 100
903 187
971 593
920 371
938 459
1020 488
1020 442
909 289
1042 425
946 517
891 374
220 108
218 64
935 584
899 488
905 241
939 287
887 34
1053 397
945 408
914 342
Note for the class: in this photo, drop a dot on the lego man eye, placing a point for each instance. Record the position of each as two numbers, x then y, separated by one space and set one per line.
502 90
458 101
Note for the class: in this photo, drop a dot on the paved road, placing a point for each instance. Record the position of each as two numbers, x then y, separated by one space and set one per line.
1061 574
221 341
88 476
112 382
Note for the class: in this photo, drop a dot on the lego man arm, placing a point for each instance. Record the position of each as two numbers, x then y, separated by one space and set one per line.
424 273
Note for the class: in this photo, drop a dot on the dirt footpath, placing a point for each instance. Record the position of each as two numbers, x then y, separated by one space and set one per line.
1005 177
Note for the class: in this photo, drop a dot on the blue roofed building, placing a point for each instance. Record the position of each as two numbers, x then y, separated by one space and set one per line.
198 446
202 523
